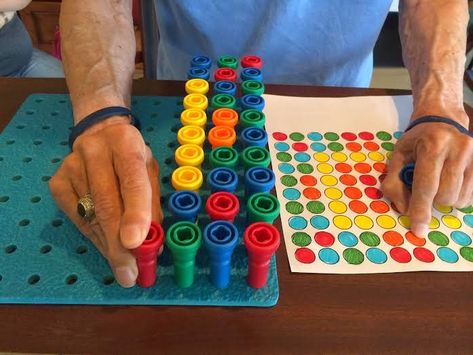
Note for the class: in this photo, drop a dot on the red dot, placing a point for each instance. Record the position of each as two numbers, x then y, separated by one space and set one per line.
343 168
358 207
381 167
311 193
371 146
353 193
308 180
373 193
279 136
324 239
349 136
424 255
368 180
379 206
300 147
347 179
367 136
400 255
382 177
305 255
362 168
393 238
353 146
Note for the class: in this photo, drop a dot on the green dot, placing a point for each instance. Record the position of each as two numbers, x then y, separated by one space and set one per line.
288 180
353 256
468 209
284 157
384 136
335 146
315 207
331 136
467 253
301 239
305 168
294 207
388 146
438 238
370 239
296 136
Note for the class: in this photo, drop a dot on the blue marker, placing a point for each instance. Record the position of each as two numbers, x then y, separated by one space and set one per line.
220 240
251 74
201 61
250 101
407 174
254 137
259 179
198 73
222 179
225 87
185 205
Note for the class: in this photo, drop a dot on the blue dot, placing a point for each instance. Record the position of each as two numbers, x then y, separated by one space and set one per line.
397 134
348 239
291 194
328 256
286 168
281 146
314 136
376 256
302 157
461 238
319 222
317 147
297 223
447 255
468 219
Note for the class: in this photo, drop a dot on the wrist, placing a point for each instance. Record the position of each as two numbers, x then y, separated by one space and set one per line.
454 112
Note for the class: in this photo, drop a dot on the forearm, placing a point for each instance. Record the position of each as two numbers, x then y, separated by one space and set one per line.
98 50
13 5
433 36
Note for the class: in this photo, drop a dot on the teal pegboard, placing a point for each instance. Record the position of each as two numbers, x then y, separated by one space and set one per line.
44 259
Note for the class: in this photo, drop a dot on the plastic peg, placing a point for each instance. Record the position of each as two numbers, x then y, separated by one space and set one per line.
252 102
187 178
262 207
252 118
225 87
198 73
252 87
223 100
255 156
227 61
259 179
194 117
185 205
196 101
225 74
221 136
201 61
189 155
191 135
254 137
225 117
251 61
223 157
223 206
407 174
251 74
222 179
197 86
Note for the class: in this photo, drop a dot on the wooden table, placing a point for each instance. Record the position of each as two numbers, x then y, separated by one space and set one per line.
420 311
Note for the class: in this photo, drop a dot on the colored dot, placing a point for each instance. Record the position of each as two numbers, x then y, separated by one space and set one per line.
308 180
294 207
382 177
314 136
302 157
424 255
386 221
389 155
357 156
300 147
339 157
301 239
342 222
288 180
415 240
315 207
317 147
349 136
333 193
404 221
337 207
451 221
380 167
343 168
347 239
384 136
291 194
443 209
331 136
357 206
324 239
388 146
376 256
353 256
438 238
367 136
468 209
400 255
279 136
353 193
393 238
373 193
353 146
467 253
324 168
468 219
305 168
434 223
370 239
329 180
368 180
311 193
328 256
362 168
379 206
335 146
397 134
281 146
297 222
296 136
321 157
376 156
284 157
447 255
319 222
304 255
348 180
371 146
461 238
363 222
286 168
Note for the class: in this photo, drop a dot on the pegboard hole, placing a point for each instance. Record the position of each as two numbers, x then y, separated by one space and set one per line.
172 145
54 113
46 178
154 115
27 159
45 249
38 101
1 277
81 249
16 178
55 160
38 142
30 112
165 179
71 279
179 103
175 128
35 199
1 158
177 115
4 198
168 161
24 222
33 279
46 127
150 129
57 222
147 143
156 103
64 143
20 126
62 101
10 141
108 280
10 249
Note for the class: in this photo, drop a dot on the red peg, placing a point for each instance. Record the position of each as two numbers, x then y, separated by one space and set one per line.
251 61
222 205
261 241
225 74
147 255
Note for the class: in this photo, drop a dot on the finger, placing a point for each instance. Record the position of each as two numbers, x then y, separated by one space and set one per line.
392 186
451 181
153 175
466 192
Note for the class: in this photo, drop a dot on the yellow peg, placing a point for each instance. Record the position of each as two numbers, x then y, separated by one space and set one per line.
189 155
194 117
191 135
196 101
187 178
197 86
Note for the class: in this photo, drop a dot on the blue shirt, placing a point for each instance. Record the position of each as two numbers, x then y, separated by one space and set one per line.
314 42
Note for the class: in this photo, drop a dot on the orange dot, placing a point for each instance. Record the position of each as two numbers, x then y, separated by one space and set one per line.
393 206
353 146
381 167
415 240
311 193
347 179
353 193
358 206
308 180
393 238
362 168
343 168
379 206
371 146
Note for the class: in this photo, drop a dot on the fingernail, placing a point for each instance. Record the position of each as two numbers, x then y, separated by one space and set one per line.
420 229
125 276
132 236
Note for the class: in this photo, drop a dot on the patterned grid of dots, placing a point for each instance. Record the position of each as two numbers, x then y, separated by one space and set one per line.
305 255
324 168
339 157
286 168
288 180
358 207
300 147
321 157
305 168
318 147
301 239
284 157
296 136
333 193
302 157
337 207
348 180
343 168
294 207
353 146
315 207
415 240
291 194
314 136
311 193
281 146
319 222
328 180
342 222
347 239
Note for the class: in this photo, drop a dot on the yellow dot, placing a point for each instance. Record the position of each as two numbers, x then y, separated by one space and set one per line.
389 155
363 222
333 193
405 221
339 157
385 221
434 223
376 156
324 168
329 180
342 222
337 207
357 156
443 209
451 221
321 157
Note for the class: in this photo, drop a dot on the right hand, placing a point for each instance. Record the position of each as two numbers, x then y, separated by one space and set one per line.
111 162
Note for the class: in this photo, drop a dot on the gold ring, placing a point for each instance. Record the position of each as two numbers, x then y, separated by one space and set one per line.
85 207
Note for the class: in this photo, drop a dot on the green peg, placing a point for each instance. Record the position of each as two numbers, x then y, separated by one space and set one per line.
227 61
223 100
252 87
255 156
262 207
252 118
223 157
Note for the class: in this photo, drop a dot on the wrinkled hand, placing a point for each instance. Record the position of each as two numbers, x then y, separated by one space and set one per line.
112 163
443 173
